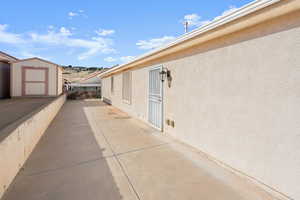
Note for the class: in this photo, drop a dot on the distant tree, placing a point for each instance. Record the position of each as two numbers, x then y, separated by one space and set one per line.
92 68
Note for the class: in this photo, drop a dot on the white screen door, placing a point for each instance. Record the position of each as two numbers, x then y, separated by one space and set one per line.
155 98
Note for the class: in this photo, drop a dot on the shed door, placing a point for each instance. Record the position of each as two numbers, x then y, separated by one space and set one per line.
34 81
155 111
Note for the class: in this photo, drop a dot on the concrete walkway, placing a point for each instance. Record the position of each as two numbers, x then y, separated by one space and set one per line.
92 151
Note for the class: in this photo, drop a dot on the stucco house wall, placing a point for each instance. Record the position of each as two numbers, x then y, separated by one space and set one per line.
235 98
54 76
139 104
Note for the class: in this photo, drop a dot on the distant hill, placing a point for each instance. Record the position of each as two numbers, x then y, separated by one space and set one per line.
76 73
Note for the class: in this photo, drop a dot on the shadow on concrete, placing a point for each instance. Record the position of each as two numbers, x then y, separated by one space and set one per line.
67 163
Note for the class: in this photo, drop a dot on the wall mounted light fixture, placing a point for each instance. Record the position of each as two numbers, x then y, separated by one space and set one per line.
166 73
169 78
163 74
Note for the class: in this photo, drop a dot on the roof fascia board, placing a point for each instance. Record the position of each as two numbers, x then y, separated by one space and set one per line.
9 57
36 58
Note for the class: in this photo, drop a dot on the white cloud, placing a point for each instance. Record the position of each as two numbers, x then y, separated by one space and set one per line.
154 43
227 12
65 32
78 13
123 59
126 59
51 27
195 19
26 54
93 46
72 14
9 38
103 32
61 38
192 19
110 59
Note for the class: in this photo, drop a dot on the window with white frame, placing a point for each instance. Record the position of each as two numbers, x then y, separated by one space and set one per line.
112 84
126 90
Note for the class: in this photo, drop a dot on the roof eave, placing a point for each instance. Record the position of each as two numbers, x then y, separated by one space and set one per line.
36 58
9 57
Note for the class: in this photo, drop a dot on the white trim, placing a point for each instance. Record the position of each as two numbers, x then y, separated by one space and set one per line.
243 11
162 103
36 58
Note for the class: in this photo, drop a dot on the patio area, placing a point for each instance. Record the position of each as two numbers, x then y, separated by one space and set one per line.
94 151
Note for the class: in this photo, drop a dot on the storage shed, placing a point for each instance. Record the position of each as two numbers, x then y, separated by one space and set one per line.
5 61
35 77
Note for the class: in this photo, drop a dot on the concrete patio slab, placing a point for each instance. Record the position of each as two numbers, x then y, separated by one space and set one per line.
94 151
124 133
99 179
176 174
68 140
134 139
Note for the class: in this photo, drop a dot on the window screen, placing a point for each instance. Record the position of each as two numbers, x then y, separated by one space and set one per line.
126 92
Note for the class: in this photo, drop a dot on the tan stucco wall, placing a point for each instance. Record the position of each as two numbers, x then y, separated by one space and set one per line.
139 105
235 98
16 76
21 140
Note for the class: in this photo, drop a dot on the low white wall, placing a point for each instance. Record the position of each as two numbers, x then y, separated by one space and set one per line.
17 146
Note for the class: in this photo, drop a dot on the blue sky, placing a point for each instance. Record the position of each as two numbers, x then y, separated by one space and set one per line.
99 33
